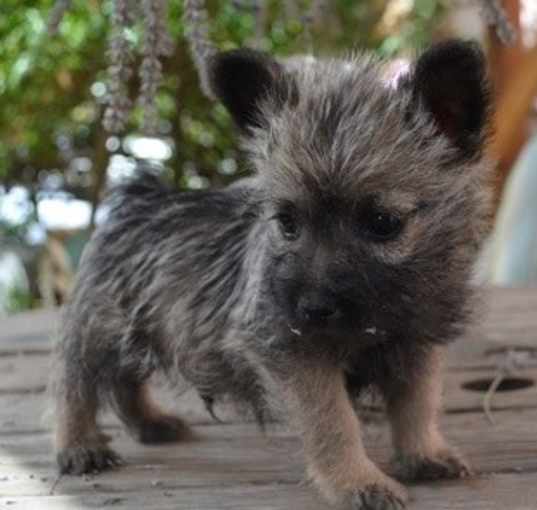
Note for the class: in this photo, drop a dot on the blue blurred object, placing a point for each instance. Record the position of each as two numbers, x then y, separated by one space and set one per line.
513 253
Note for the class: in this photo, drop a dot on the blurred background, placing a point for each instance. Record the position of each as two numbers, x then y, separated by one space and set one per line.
90 87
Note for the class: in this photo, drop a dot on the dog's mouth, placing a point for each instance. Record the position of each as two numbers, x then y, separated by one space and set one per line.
307 329
295 330
371 335
362 336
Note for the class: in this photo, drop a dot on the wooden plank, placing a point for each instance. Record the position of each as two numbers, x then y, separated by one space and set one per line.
24 329
493 492
28 372
241 497
459 398
24 373
23 414
505 318
27 413
32 412
226 455
24 378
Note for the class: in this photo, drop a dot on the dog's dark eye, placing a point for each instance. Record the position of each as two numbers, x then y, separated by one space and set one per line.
288 225
381 226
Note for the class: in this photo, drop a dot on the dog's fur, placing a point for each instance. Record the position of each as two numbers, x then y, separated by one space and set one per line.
344 263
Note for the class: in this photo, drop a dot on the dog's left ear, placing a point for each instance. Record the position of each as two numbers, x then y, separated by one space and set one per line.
243 78
450 81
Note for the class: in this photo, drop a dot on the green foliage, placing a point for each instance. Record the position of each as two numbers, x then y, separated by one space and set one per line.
44 84
51 87
18 300
17 233
415 31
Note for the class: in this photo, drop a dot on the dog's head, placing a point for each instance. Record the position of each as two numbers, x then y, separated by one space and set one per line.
375 193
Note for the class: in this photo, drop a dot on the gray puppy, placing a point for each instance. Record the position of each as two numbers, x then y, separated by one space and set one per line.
344 263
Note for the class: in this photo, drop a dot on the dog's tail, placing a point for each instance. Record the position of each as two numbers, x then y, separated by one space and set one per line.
144 182
144 189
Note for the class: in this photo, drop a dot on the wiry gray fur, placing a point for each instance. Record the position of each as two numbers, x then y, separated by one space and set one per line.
205 287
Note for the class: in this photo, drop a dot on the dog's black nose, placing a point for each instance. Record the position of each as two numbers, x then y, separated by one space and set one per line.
318 309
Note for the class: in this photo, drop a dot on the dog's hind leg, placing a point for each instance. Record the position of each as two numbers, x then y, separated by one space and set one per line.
142 416
80 446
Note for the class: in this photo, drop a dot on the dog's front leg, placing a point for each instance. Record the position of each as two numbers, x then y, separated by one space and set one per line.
335 455
414 406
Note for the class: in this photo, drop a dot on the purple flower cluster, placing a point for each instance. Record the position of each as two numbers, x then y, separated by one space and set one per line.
495 16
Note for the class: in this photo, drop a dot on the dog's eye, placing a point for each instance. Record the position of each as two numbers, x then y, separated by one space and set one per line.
288 225
381 226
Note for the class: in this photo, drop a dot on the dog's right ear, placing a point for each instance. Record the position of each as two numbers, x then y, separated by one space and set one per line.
450 81
243 78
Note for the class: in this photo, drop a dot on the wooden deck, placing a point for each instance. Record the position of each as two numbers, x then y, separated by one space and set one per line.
233 466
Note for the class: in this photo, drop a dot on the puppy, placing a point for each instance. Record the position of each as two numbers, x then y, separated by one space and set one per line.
344 263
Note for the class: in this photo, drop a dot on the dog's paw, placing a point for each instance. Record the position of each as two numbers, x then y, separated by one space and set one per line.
164 429
445 464
379 493
362 487
377 497
78 460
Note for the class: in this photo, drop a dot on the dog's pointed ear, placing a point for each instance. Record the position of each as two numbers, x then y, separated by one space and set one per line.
243 78
450 81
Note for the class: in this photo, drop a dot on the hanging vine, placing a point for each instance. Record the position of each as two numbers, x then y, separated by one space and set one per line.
120 57
196 23
157 44
56 14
